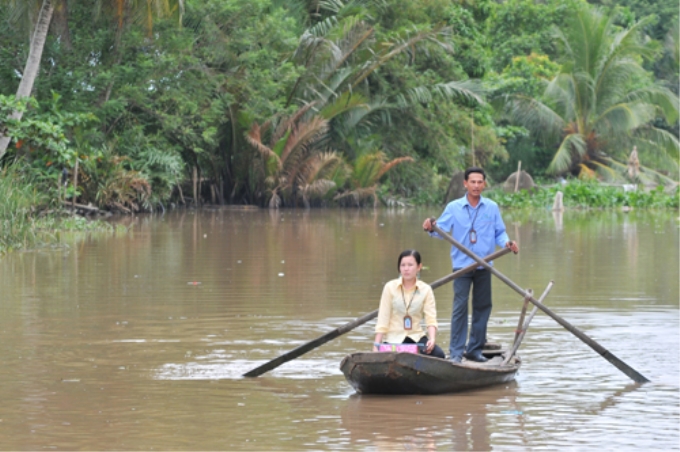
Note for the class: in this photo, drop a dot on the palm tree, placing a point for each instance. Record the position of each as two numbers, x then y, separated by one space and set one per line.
599 96
322 176
342 53
292 145
38 38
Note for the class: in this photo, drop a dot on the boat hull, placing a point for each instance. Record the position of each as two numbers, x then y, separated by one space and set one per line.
409 373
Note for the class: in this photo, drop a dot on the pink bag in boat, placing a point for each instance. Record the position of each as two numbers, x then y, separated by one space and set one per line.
398 348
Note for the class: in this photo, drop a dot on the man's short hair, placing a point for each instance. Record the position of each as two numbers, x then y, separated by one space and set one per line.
474 169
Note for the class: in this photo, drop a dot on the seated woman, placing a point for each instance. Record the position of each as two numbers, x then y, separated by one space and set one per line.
404 303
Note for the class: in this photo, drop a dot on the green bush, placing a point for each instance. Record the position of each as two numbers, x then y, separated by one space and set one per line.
579 194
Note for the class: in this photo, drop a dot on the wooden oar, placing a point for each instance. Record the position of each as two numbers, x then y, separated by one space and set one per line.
606 354
304 348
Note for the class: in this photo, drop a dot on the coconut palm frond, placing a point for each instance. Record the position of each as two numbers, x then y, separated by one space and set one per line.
349 35
389 165
536 116
280 144
323 28
321 166
614 86
394 49
469 91
343 103
662 140
624 117
332 6
605 172
286 124
255 139
656 176
664 99
572 144
628 42
366 169
358 194
363 118
369 168
303 135
316 190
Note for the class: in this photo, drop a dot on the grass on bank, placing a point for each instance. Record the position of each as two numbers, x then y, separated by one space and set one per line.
17 213
23 222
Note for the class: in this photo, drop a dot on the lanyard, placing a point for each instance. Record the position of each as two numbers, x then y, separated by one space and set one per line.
404 298
473 233
472 226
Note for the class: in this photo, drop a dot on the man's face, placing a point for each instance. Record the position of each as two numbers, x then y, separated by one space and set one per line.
475 184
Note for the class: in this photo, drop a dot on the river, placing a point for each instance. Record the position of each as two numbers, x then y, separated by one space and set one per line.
138 340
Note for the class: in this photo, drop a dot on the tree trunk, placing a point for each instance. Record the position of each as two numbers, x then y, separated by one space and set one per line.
33 63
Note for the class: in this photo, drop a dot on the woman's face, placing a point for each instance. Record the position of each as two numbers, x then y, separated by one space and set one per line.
409 268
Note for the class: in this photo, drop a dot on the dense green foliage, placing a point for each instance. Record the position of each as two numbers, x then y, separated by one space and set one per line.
579 194
327 102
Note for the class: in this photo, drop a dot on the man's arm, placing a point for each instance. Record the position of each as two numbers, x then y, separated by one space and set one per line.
445 222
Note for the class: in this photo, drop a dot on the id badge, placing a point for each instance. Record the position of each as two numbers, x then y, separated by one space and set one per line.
408 322
473 236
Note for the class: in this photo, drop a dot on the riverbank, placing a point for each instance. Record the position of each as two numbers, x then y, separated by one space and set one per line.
29 220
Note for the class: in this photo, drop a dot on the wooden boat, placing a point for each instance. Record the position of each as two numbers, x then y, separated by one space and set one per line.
410 373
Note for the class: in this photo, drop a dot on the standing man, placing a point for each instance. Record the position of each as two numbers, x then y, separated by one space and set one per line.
475 222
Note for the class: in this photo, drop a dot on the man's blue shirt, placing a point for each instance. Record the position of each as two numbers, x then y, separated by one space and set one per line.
458 219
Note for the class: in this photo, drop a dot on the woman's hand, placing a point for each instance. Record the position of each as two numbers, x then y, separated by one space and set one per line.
431 335
377 341
430 346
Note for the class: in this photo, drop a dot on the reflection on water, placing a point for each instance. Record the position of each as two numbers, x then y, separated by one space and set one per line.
454 422
139 341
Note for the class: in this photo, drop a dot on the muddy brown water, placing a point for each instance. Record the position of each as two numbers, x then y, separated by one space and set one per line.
137 341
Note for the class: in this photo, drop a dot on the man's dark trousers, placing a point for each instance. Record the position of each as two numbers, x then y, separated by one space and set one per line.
480 280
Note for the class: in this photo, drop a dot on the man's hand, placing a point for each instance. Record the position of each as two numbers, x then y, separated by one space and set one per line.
513 246
427 224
